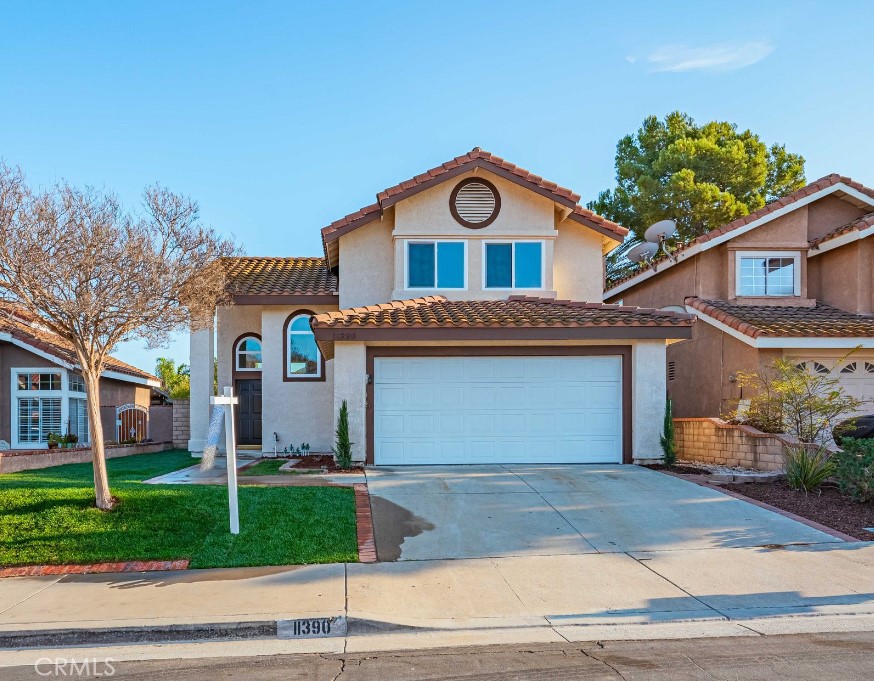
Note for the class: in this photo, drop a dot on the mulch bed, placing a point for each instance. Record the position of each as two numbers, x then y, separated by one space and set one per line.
322 462
826 506
679 468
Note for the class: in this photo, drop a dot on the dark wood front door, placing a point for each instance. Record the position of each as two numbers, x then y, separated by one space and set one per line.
249 412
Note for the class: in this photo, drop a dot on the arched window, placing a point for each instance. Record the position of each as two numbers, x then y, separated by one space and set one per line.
247 354
303 361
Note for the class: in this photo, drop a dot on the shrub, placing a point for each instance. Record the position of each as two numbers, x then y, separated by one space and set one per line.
343 447
669 446
854 469
807 468
789 398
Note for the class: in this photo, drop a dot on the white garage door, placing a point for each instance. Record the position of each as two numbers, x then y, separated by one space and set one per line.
434 410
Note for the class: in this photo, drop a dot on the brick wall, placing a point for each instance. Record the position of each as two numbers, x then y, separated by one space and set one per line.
181 424
712 440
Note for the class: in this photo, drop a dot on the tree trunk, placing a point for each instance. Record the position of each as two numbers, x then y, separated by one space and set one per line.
98 452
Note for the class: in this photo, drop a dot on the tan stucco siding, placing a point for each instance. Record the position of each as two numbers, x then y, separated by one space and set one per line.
844 277
297 411
830 212
703 369
367 264
232 322
522 211
578 266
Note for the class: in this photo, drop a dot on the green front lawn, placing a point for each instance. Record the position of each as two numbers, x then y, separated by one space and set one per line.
48 517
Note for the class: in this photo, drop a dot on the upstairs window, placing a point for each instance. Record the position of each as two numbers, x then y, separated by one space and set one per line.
303 361
248 354
761 274
515 264
436 264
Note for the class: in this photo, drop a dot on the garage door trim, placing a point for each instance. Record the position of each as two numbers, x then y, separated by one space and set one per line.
623 351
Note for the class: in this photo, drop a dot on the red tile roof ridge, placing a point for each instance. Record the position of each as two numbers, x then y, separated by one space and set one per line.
594 306
475 154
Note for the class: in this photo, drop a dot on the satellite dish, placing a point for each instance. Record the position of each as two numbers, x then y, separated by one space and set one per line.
660 231
642 253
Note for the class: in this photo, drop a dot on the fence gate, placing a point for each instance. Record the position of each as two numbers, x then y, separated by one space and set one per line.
133 422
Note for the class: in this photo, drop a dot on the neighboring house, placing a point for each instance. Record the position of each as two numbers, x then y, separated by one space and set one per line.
793 279
442 315
41 392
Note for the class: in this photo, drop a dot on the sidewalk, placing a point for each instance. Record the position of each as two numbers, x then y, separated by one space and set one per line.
733 591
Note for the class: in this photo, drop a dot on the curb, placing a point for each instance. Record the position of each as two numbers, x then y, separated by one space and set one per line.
94 568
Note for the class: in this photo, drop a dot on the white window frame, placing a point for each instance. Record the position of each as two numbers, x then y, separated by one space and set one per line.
289 333
64 395
796 268
542 286
407 243
238 352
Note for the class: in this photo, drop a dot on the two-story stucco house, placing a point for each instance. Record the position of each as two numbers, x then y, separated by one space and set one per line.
793 279
459 316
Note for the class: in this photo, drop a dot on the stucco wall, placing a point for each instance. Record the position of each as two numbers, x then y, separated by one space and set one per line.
297 411
648 398
830 212
232 322
844 277
372 258
578 265
350 384
367 264
703 367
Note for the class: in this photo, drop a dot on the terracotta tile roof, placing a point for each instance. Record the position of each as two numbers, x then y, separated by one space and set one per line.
856 225
805 191
279 276
461 164
516 311
787 321
22 327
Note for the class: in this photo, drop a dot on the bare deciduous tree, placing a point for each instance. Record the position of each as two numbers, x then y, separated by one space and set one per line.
98 275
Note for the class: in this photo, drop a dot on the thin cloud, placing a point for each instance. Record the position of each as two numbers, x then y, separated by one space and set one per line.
721 57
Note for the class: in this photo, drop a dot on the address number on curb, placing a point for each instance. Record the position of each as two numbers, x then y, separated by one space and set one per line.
316 627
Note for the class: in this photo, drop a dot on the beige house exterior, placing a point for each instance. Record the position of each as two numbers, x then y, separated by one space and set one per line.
460 319
793 280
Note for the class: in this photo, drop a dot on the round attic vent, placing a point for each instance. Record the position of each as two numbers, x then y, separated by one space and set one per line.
475 203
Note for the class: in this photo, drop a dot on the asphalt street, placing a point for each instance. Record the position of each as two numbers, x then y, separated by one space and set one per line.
818 657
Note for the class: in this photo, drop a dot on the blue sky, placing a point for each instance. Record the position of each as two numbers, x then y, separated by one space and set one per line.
281 117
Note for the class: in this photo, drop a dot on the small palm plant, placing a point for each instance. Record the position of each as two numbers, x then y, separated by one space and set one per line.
343 446
669 446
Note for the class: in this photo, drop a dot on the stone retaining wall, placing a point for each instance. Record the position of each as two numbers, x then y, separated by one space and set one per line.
712 440
15 460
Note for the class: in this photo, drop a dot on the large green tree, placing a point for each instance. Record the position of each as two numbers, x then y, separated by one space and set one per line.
702 176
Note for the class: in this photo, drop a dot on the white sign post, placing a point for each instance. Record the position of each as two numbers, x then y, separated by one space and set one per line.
227 401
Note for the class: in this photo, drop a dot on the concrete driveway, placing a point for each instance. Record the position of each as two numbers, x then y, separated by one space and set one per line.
448 512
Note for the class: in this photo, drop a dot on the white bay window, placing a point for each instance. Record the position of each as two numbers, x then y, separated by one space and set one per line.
47 401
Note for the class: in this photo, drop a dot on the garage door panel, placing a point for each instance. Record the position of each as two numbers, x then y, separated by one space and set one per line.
498 410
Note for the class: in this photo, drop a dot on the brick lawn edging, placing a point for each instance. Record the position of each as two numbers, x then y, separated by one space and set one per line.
364 523
700 480
95 568
713 440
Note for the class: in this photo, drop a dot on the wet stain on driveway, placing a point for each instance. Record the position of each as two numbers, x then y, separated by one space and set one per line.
392 525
